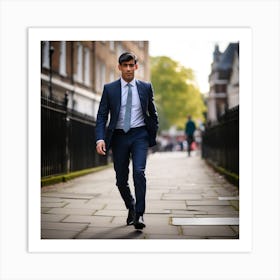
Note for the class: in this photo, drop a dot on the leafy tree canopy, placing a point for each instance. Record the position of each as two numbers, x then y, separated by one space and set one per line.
176 93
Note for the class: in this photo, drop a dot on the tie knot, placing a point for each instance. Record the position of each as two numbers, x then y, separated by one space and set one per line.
129 85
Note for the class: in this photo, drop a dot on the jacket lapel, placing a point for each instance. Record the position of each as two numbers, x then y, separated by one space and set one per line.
142 95
117 95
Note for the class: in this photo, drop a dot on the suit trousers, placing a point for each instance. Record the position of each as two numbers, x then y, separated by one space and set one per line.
125 146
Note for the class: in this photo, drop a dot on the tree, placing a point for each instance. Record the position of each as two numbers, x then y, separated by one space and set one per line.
176 93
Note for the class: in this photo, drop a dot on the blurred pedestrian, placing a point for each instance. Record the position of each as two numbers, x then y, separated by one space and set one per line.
131 131
189 132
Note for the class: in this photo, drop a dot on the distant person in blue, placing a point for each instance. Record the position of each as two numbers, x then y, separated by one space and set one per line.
189 131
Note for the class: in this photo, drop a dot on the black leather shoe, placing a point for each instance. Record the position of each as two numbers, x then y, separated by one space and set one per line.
130 217
139 222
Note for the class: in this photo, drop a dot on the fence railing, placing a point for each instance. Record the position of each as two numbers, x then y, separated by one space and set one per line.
220 142
67 140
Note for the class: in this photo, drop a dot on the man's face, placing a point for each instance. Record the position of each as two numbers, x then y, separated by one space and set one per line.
127 68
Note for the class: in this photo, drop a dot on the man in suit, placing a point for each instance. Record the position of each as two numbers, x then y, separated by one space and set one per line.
131 131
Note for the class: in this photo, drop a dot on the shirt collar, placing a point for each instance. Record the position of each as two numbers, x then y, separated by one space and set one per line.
124 83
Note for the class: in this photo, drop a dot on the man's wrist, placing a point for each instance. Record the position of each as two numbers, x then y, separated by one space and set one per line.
98 141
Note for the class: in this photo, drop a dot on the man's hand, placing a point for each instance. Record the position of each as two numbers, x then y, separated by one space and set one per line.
101 148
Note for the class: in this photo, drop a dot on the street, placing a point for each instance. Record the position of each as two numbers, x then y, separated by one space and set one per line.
186 199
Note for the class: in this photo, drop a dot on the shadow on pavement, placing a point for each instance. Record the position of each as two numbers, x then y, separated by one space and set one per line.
119 232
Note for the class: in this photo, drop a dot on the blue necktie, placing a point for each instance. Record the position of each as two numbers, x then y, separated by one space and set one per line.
127 116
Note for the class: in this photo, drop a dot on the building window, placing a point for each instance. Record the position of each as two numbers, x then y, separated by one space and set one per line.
100 75
62 59
79 75
46 54
141 44
120 49
97 75
87 67
140 70
112 46
220 88
112 75
103 74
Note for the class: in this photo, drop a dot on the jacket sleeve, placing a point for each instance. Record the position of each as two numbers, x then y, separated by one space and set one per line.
151 118
152 108
102 116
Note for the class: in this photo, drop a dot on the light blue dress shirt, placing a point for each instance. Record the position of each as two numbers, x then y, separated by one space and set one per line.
137 118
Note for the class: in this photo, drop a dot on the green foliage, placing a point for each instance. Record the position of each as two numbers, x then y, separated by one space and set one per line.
176 93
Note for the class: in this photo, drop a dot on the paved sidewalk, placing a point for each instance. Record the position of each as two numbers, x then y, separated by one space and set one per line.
186 199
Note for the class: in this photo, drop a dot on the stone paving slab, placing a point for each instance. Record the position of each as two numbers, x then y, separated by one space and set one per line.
51 199
52 217
162 229
209 231
154 195
75 200
85 205
212 209
68 195
105 212
63 226
58 234
182 191
205 221
164 186
182 196
71 211
114 207
164 236
100 201
155 220
53 204
221 191
95 220
220 215
165 204
207 202
189 212
157 211
45 209
209 194
236 229
115 203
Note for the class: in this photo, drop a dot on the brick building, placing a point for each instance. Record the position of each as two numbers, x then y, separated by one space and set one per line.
79 69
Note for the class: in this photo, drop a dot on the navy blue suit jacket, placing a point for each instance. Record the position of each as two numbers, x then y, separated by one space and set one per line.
111 103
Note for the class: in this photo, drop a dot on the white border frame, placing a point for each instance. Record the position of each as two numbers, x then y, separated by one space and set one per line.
243 35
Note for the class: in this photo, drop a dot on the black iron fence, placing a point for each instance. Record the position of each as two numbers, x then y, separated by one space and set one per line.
67 140
220 142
